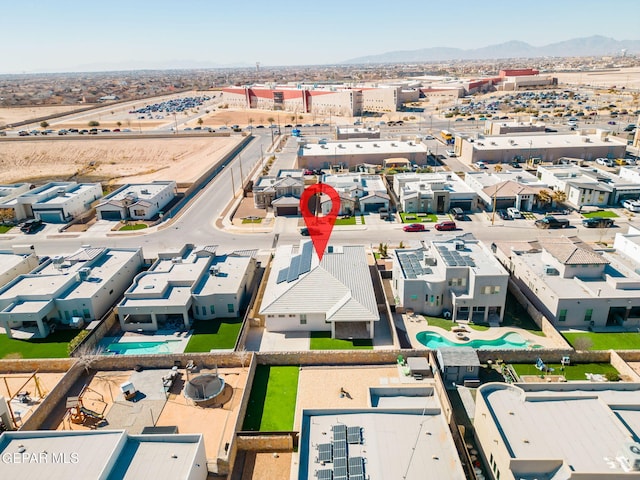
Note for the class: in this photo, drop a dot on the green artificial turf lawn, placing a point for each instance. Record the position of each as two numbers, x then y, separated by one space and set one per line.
414 218
54 346
136 226
601 214
606 341
571 372
214 334
323 341
272 402
345 221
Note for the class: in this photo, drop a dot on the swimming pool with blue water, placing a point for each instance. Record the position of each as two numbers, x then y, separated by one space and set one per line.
511 340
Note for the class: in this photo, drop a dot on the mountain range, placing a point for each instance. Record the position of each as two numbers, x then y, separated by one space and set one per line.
577 47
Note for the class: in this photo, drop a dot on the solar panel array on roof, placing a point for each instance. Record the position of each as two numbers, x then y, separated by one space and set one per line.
324 452
344 467
356 466
452 258
339 449
411 266
299 264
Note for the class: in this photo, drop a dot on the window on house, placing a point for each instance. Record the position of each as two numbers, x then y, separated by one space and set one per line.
303 319
588 314
230 308
563 316
212 308
85 313
138 213
414 297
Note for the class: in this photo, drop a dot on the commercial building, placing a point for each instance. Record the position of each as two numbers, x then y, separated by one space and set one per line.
585 144
498 127
433 192
67 290
505 189
347 132
102 454
559 430
350 154
359 193
336 295
136 201
457 275
575 286
194 283
55 202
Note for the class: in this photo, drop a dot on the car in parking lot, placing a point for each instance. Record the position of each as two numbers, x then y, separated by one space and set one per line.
445 226
632 205
480 165
414 227
598 222
514 212
607 162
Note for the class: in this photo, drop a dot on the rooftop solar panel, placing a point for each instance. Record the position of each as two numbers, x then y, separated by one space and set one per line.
282 275
293 269
356 466
356 476
353 435
340 435
340 472
340 462
324 474
338 428
305 258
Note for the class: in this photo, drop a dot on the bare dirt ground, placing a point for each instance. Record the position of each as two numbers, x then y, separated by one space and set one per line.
10 115
182 159
623 77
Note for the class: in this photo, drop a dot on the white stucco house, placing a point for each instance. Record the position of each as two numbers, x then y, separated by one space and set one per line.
67 290
458 275
136 201
335 295
191 284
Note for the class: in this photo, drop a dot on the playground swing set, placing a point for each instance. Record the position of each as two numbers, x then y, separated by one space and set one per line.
79 414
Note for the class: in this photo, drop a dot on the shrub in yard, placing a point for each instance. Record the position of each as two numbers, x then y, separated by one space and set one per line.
73 344
612 376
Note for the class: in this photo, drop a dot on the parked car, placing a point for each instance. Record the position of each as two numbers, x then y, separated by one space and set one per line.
445 226
31 226
457 213
450 153
304 232
515 164
607 162
414 227
632 205
480 165
514 212
551 222
503 214
598 222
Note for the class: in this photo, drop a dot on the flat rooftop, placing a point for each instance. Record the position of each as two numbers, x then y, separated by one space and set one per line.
393 148
139 190
548 141
69 194
585 425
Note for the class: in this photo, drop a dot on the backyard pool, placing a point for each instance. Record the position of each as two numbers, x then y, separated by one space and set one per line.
142 348
511 340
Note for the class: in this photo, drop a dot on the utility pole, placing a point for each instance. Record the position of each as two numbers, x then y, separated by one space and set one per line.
241 179
233 186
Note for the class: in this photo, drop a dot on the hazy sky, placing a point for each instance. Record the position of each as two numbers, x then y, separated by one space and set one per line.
64 35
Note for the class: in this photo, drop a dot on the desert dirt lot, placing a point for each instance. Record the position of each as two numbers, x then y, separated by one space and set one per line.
116 161
11 115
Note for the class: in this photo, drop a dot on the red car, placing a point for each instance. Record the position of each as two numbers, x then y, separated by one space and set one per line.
414 227
445 226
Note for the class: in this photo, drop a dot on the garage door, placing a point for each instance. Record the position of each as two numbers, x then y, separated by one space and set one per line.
374 207
286 211
113 215
463 204
49 217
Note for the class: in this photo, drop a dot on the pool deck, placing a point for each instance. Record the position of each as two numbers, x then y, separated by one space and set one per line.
415 324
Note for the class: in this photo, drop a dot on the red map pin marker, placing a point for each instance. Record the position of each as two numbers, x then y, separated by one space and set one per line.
319 227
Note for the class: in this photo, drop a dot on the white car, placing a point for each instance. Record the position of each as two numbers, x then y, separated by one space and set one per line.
514 212
632 205
450 153
480 165
607 162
